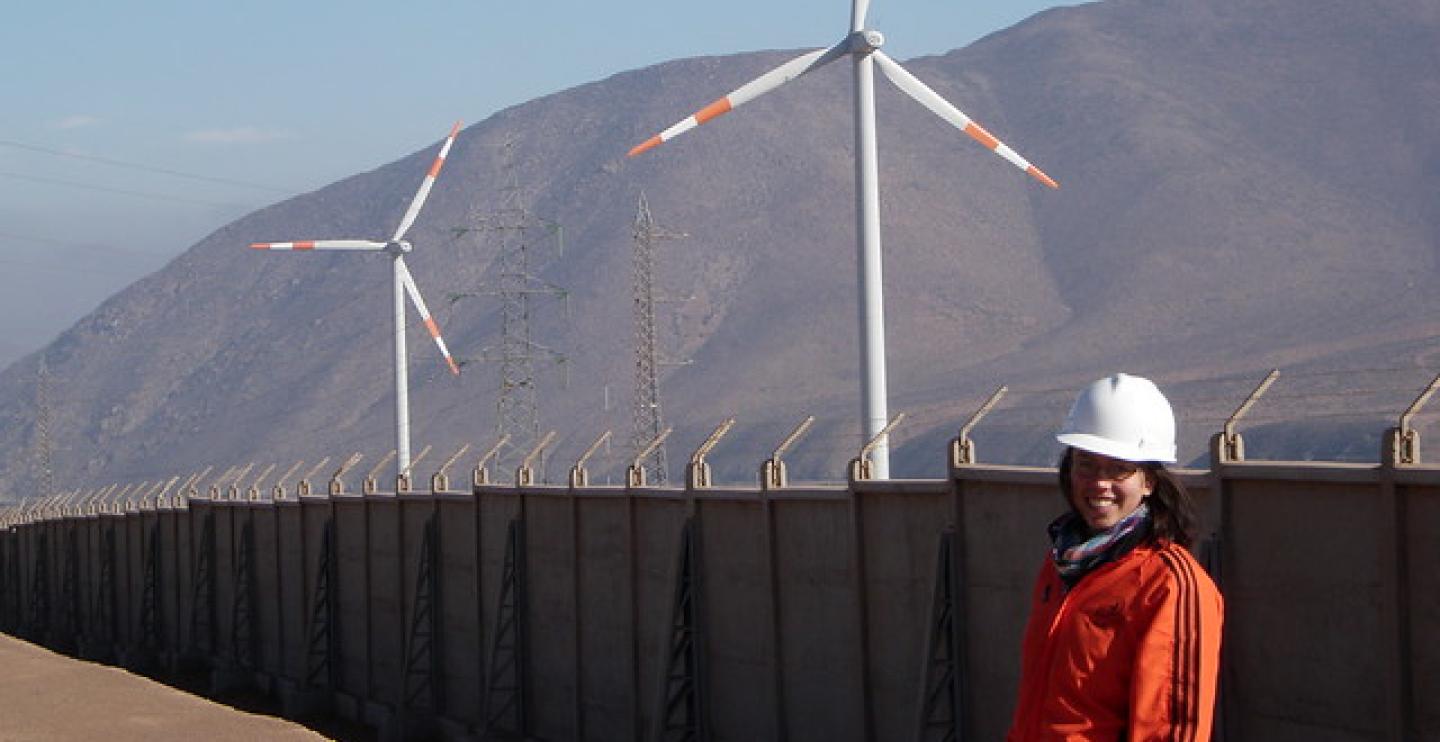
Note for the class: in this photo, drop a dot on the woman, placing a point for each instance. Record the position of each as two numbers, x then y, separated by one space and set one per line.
1123 641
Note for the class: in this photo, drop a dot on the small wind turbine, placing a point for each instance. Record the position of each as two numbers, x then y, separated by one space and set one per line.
864 46
403 284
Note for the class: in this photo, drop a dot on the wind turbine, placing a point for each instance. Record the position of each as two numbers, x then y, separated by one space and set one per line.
863 45
403 284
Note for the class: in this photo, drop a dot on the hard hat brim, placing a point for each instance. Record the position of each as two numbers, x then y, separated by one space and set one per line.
1116 450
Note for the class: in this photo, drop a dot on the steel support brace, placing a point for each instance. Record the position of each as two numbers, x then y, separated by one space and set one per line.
683 710
151 621
107 611
423 648
39 621
202 610
322 662
505 697
506 702
243 634
71 618
943 704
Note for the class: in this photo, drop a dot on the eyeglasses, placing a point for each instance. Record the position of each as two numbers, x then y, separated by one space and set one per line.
1110 470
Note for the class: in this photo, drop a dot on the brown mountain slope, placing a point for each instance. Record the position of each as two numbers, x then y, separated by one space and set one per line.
1244 184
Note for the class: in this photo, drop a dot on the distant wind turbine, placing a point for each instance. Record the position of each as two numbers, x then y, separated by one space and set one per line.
403 284
864 46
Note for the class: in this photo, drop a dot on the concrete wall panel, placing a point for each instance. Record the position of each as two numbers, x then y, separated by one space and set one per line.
460 608
659 521
901 534
353 594
606 607
741 670
822 653
387 599
1422 526
266 565
291 597
1304 605
550 561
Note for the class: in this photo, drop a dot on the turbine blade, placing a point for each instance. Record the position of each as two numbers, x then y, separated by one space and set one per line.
761 85
858 9
362 245
425 185
414 292
942 108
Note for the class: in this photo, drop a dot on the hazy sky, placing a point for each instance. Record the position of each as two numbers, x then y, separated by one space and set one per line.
133 129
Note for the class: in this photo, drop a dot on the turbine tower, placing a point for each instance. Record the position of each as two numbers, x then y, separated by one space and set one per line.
402 283
863 46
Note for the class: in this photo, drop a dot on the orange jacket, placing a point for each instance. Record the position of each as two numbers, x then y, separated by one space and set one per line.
1131 653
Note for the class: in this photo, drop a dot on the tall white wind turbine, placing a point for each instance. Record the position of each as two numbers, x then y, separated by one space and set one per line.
862 45
403 284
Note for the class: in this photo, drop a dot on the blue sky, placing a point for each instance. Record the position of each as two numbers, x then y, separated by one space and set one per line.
133 129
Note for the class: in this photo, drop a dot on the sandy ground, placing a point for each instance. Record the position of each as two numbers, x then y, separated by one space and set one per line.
48 696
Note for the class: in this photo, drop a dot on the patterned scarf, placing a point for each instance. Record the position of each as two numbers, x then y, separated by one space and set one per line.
1077 552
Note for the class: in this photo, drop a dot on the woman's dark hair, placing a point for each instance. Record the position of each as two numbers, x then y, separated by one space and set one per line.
1172 510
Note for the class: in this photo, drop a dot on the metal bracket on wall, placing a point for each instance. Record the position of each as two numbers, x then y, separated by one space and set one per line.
943 704
525 473
683 713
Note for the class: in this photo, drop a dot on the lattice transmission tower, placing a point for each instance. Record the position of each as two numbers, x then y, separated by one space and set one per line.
648 419
44 463
516 233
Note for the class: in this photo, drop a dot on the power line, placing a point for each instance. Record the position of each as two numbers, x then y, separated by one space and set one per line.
139 166
122 191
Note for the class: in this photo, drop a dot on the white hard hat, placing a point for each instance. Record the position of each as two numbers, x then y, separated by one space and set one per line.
1123 417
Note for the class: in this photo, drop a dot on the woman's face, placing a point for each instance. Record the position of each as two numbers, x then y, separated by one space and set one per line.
1104 490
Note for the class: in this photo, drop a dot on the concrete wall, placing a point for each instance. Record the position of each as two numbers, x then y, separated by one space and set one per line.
814 609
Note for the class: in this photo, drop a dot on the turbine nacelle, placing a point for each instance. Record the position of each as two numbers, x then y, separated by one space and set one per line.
864 41
398 247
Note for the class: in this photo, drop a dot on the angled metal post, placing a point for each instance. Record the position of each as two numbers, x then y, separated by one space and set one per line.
578 476
525 473
337 484
697 473
962 449
481 474
440 480
1403 441
861 467
1232 446
635 473
772 470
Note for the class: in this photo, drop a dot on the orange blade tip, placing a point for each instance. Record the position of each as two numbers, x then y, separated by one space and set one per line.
455 129
645 146
1042 177
259 246
454 369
